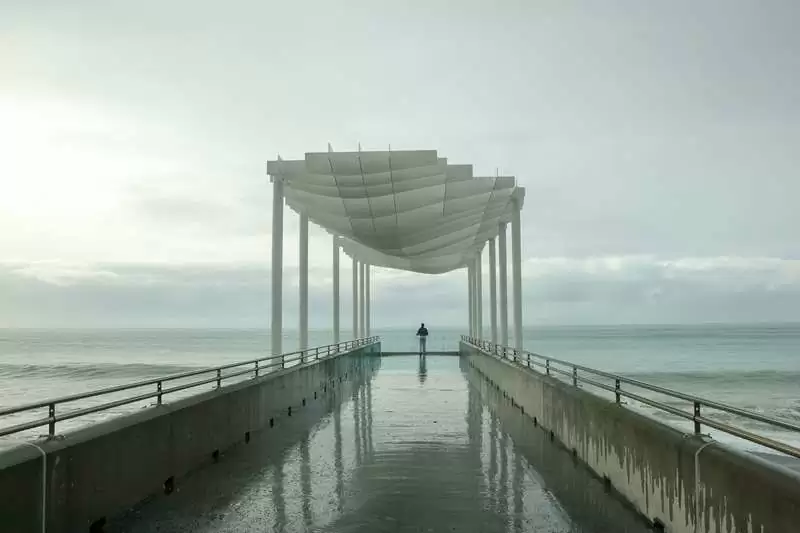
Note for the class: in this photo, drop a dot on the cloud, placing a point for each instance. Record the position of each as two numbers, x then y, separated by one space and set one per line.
648 289
724 274
63 274
557 290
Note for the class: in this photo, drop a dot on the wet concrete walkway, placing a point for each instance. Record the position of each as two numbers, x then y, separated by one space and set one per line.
426 445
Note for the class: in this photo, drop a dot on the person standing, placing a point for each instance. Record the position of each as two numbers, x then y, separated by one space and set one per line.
422 333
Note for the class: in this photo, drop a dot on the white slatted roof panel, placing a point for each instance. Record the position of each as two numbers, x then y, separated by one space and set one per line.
410 210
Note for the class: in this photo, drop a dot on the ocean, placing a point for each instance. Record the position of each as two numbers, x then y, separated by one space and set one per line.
754 366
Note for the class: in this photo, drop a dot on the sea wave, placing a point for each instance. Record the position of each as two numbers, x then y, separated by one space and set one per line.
91 370
719 377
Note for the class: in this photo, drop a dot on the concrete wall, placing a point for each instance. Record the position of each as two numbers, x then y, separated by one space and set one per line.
580 492
653 465
99 471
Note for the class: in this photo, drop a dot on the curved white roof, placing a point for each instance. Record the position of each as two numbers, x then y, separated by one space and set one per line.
409 210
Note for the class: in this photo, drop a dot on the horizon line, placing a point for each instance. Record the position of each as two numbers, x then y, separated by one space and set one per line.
265 328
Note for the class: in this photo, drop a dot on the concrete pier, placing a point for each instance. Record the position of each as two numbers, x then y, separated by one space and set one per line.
425 445
360 442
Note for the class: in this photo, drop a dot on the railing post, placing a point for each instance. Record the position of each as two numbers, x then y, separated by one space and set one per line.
529 360
617 390
575 375
158 389
219 377
696 416
283 361
256 368
52 424
547 366
316 353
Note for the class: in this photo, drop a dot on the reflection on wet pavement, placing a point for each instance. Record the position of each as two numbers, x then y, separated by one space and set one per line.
425 446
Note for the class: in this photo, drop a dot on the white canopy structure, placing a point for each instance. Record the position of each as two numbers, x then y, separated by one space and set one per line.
409 210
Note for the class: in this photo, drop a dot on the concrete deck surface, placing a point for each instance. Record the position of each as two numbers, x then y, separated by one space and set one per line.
426 446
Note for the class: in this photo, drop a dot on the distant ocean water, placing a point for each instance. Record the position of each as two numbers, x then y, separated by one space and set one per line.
751 366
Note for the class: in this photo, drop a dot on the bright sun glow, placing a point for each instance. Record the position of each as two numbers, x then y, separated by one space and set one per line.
51 159
66 172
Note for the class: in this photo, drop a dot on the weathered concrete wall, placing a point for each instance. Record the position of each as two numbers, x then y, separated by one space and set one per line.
98 471
588 501
651 464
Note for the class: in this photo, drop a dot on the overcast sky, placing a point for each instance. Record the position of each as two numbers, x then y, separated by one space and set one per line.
658 142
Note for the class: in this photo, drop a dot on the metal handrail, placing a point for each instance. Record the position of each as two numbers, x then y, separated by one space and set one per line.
531 360
301 357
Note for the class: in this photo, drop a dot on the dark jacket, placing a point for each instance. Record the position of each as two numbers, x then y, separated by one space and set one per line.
422 332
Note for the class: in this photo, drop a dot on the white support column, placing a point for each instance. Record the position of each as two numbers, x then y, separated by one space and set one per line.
368 298
475 332
493 289
276 332
479 292
471 317
303 260
355 298
362 301
503 274
516 265
336 307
